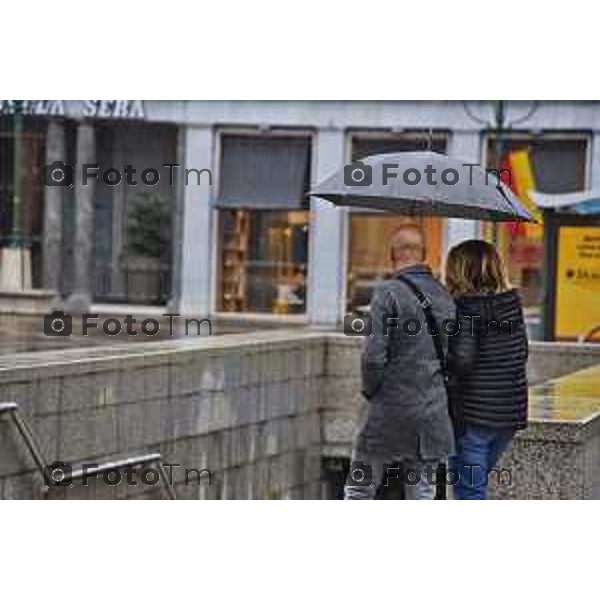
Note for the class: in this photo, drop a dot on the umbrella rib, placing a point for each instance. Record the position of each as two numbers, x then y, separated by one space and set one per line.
507 199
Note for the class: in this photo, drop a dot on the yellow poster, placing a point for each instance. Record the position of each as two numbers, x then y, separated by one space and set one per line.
577 282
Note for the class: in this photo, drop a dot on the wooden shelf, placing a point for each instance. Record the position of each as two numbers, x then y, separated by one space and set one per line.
234 261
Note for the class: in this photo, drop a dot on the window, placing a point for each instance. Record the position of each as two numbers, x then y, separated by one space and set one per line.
263 223
133 258
370 231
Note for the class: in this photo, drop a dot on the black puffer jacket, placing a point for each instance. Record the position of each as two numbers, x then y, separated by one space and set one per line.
486 361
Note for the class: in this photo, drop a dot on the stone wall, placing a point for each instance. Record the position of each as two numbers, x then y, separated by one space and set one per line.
343 404
259 410
245 407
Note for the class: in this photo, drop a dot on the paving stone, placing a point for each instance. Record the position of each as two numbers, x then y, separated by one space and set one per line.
156 382
88 433
47 395
91 390
186 376
213 376
13 453
25 486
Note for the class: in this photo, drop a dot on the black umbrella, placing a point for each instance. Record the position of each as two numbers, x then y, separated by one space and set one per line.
423 183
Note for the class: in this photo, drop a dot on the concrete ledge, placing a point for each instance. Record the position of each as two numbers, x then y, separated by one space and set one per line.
28 302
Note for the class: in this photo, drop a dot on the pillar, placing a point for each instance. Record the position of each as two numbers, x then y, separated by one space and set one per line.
53 210
117 275
327 237
192 261
83 285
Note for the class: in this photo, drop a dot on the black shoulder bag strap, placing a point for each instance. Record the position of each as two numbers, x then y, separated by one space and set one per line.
425 305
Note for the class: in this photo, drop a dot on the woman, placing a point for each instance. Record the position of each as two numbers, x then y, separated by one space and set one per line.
486 364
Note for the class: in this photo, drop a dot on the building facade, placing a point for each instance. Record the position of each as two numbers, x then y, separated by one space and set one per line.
227 228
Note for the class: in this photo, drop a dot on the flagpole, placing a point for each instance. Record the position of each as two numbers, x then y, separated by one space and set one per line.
499 121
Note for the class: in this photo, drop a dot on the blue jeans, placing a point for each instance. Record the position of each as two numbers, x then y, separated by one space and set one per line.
477 452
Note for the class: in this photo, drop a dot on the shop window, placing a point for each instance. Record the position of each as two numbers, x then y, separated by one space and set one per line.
264 261
263 224
370 231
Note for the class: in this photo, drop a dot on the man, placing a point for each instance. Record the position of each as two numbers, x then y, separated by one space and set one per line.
402 378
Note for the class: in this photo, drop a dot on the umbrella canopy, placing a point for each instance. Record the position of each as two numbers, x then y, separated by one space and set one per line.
422 183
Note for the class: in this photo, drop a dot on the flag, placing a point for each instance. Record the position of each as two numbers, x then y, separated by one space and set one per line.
518 175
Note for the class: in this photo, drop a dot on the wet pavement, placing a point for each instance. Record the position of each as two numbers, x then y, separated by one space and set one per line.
573 397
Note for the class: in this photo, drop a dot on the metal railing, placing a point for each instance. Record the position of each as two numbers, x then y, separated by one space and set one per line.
12 409
588 335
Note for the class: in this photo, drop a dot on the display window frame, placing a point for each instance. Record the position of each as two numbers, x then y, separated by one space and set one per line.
216 233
